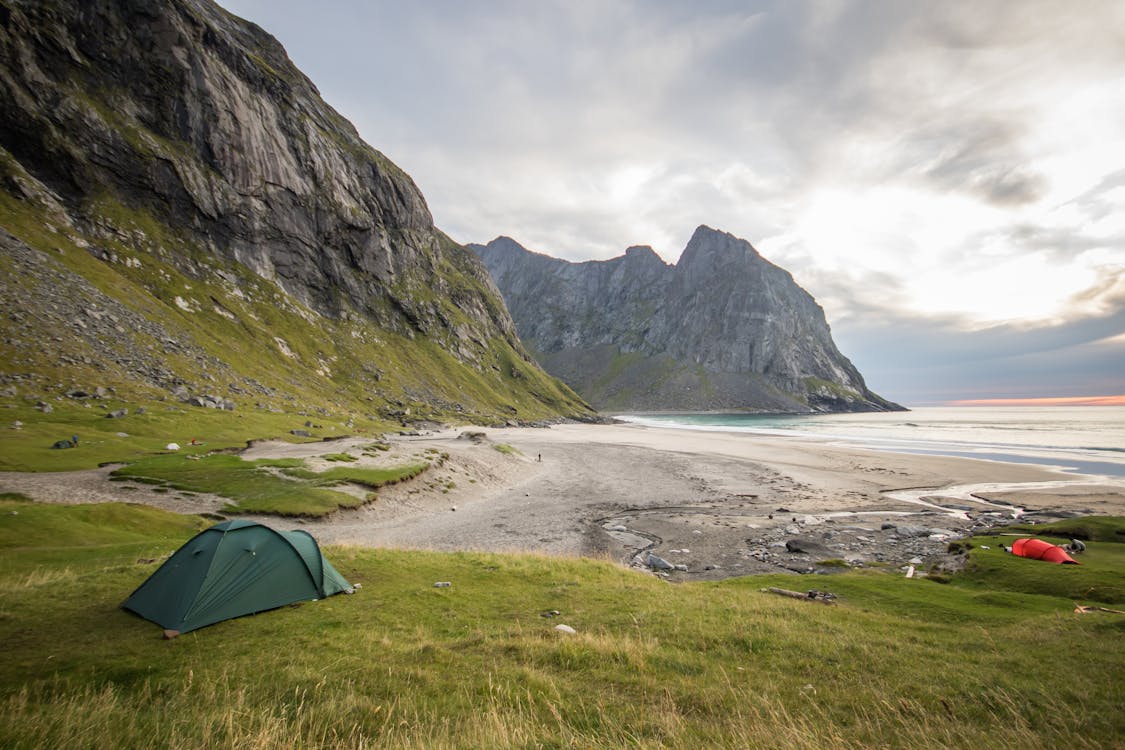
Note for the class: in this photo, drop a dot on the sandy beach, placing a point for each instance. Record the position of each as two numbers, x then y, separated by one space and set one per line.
714 504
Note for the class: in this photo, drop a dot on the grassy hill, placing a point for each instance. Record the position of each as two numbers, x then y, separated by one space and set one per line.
978 662
139 326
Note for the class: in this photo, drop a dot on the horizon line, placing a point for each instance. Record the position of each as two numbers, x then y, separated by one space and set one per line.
1118 400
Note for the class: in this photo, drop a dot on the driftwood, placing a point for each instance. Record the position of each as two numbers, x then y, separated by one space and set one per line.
1086 610
810 596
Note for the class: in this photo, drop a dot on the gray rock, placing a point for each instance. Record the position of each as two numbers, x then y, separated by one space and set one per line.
300 433
117 414
807 545
723 327
659 563
442 584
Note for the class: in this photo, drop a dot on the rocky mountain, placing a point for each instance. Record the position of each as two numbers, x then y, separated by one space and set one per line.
722 329
181 211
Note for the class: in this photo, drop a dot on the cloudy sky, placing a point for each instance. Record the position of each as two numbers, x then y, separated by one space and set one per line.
946 178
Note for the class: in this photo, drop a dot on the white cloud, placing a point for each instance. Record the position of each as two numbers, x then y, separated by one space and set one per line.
948 161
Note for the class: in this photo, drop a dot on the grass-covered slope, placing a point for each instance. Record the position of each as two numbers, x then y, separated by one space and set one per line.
131 322
402 664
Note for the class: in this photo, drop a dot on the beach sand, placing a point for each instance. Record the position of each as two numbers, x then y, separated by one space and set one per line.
717 504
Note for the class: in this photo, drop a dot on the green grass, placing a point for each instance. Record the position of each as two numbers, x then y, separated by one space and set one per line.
1088 528
1098 579
337 457
506 449
372 478
29 448
252 486
898 663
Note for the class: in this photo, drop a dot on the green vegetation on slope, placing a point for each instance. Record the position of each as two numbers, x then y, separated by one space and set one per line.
135 436
898 663
229 331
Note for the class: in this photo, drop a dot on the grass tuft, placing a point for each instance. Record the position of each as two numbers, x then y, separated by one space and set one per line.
278 486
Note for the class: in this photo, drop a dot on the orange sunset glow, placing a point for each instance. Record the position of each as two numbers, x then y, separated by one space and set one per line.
1069 401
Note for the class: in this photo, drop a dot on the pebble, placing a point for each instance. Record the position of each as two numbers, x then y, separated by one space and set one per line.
565 629
442 584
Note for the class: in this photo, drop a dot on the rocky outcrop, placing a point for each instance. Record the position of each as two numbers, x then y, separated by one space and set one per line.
722 329
172 133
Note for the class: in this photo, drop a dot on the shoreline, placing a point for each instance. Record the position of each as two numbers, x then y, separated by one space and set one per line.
1074 458
718 504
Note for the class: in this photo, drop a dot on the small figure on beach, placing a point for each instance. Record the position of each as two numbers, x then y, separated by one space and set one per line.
539 457
74 440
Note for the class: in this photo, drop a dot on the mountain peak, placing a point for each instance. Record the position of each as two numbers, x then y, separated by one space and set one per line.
722 329
713 247
643 254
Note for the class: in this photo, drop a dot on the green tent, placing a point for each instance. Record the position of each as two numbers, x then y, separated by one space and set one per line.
232 569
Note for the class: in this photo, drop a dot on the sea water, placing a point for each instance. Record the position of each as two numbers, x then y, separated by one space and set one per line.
1082 439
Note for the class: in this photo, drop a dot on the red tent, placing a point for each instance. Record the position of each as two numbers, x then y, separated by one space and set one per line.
1037 549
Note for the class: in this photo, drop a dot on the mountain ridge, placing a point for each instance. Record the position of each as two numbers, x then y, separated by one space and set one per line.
721 329
171 154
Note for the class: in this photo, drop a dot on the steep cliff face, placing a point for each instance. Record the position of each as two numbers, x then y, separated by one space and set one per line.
722 329
180 138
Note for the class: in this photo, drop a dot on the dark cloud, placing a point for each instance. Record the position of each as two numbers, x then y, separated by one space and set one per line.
927 359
